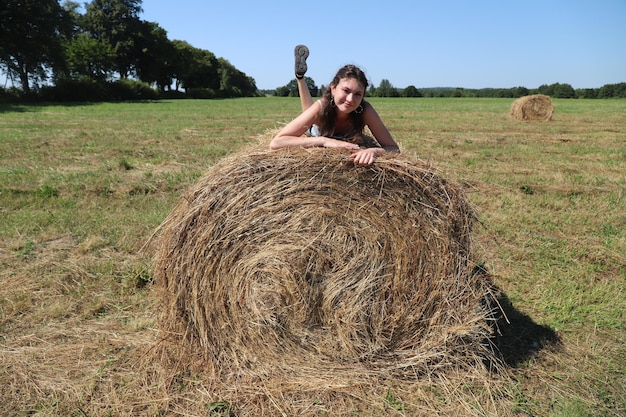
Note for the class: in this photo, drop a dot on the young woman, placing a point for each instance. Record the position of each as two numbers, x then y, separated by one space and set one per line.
336 120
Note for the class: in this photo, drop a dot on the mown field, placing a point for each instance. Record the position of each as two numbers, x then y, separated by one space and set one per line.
83 187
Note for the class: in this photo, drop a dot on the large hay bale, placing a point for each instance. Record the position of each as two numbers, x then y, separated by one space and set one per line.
533 107
297 262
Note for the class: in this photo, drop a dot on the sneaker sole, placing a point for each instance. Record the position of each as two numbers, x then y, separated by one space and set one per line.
301 53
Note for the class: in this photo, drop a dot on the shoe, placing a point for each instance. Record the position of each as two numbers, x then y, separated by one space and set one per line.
301 53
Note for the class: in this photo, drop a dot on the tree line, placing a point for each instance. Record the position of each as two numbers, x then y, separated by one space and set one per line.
386 89
105 51
57 51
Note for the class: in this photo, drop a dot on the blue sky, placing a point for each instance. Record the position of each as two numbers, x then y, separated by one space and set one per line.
437 43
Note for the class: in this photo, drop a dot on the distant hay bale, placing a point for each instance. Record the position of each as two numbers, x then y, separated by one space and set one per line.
296 262
533 107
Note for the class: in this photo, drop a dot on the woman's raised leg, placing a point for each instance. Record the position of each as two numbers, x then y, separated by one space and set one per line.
301 53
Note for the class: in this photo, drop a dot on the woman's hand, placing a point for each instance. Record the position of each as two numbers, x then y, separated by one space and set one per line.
365 156
335 143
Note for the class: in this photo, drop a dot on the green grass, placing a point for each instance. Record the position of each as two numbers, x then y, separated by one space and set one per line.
83 186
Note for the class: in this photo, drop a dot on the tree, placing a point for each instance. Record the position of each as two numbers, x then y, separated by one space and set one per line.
291 89
620 90
90 58
72 8
31 32
155 61
385 89
458 92
194 67
411 91
234 83
586 93
557 90
612 91
520 91
282 91
545 89
117 23
564 91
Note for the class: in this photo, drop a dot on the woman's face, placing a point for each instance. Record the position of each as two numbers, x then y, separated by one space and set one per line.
348 94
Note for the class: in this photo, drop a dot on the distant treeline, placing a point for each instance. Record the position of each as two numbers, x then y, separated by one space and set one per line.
555 90
385 89
102 50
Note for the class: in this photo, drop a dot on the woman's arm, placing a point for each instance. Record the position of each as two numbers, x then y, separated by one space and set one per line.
291 134
381 133
379 130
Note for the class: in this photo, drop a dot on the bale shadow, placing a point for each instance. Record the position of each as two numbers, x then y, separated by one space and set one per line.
517 337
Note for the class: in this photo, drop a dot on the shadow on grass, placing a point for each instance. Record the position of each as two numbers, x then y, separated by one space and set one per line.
25 106
517 338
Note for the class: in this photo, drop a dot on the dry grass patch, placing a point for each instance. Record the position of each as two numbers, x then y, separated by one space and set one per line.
78 313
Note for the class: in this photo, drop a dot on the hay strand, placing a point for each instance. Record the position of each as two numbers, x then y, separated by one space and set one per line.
533 107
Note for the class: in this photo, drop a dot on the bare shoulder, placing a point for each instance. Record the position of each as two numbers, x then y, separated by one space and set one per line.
368 110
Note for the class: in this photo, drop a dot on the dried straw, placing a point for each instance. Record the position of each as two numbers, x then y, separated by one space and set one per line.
533 107
297 266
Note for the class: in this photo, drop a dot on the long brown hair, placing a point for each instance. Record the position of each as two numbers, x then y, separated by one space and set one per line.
329 115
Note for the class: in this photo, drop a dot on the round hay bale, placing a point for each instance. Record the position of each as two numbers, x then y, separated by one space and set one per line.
296 261
533 107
